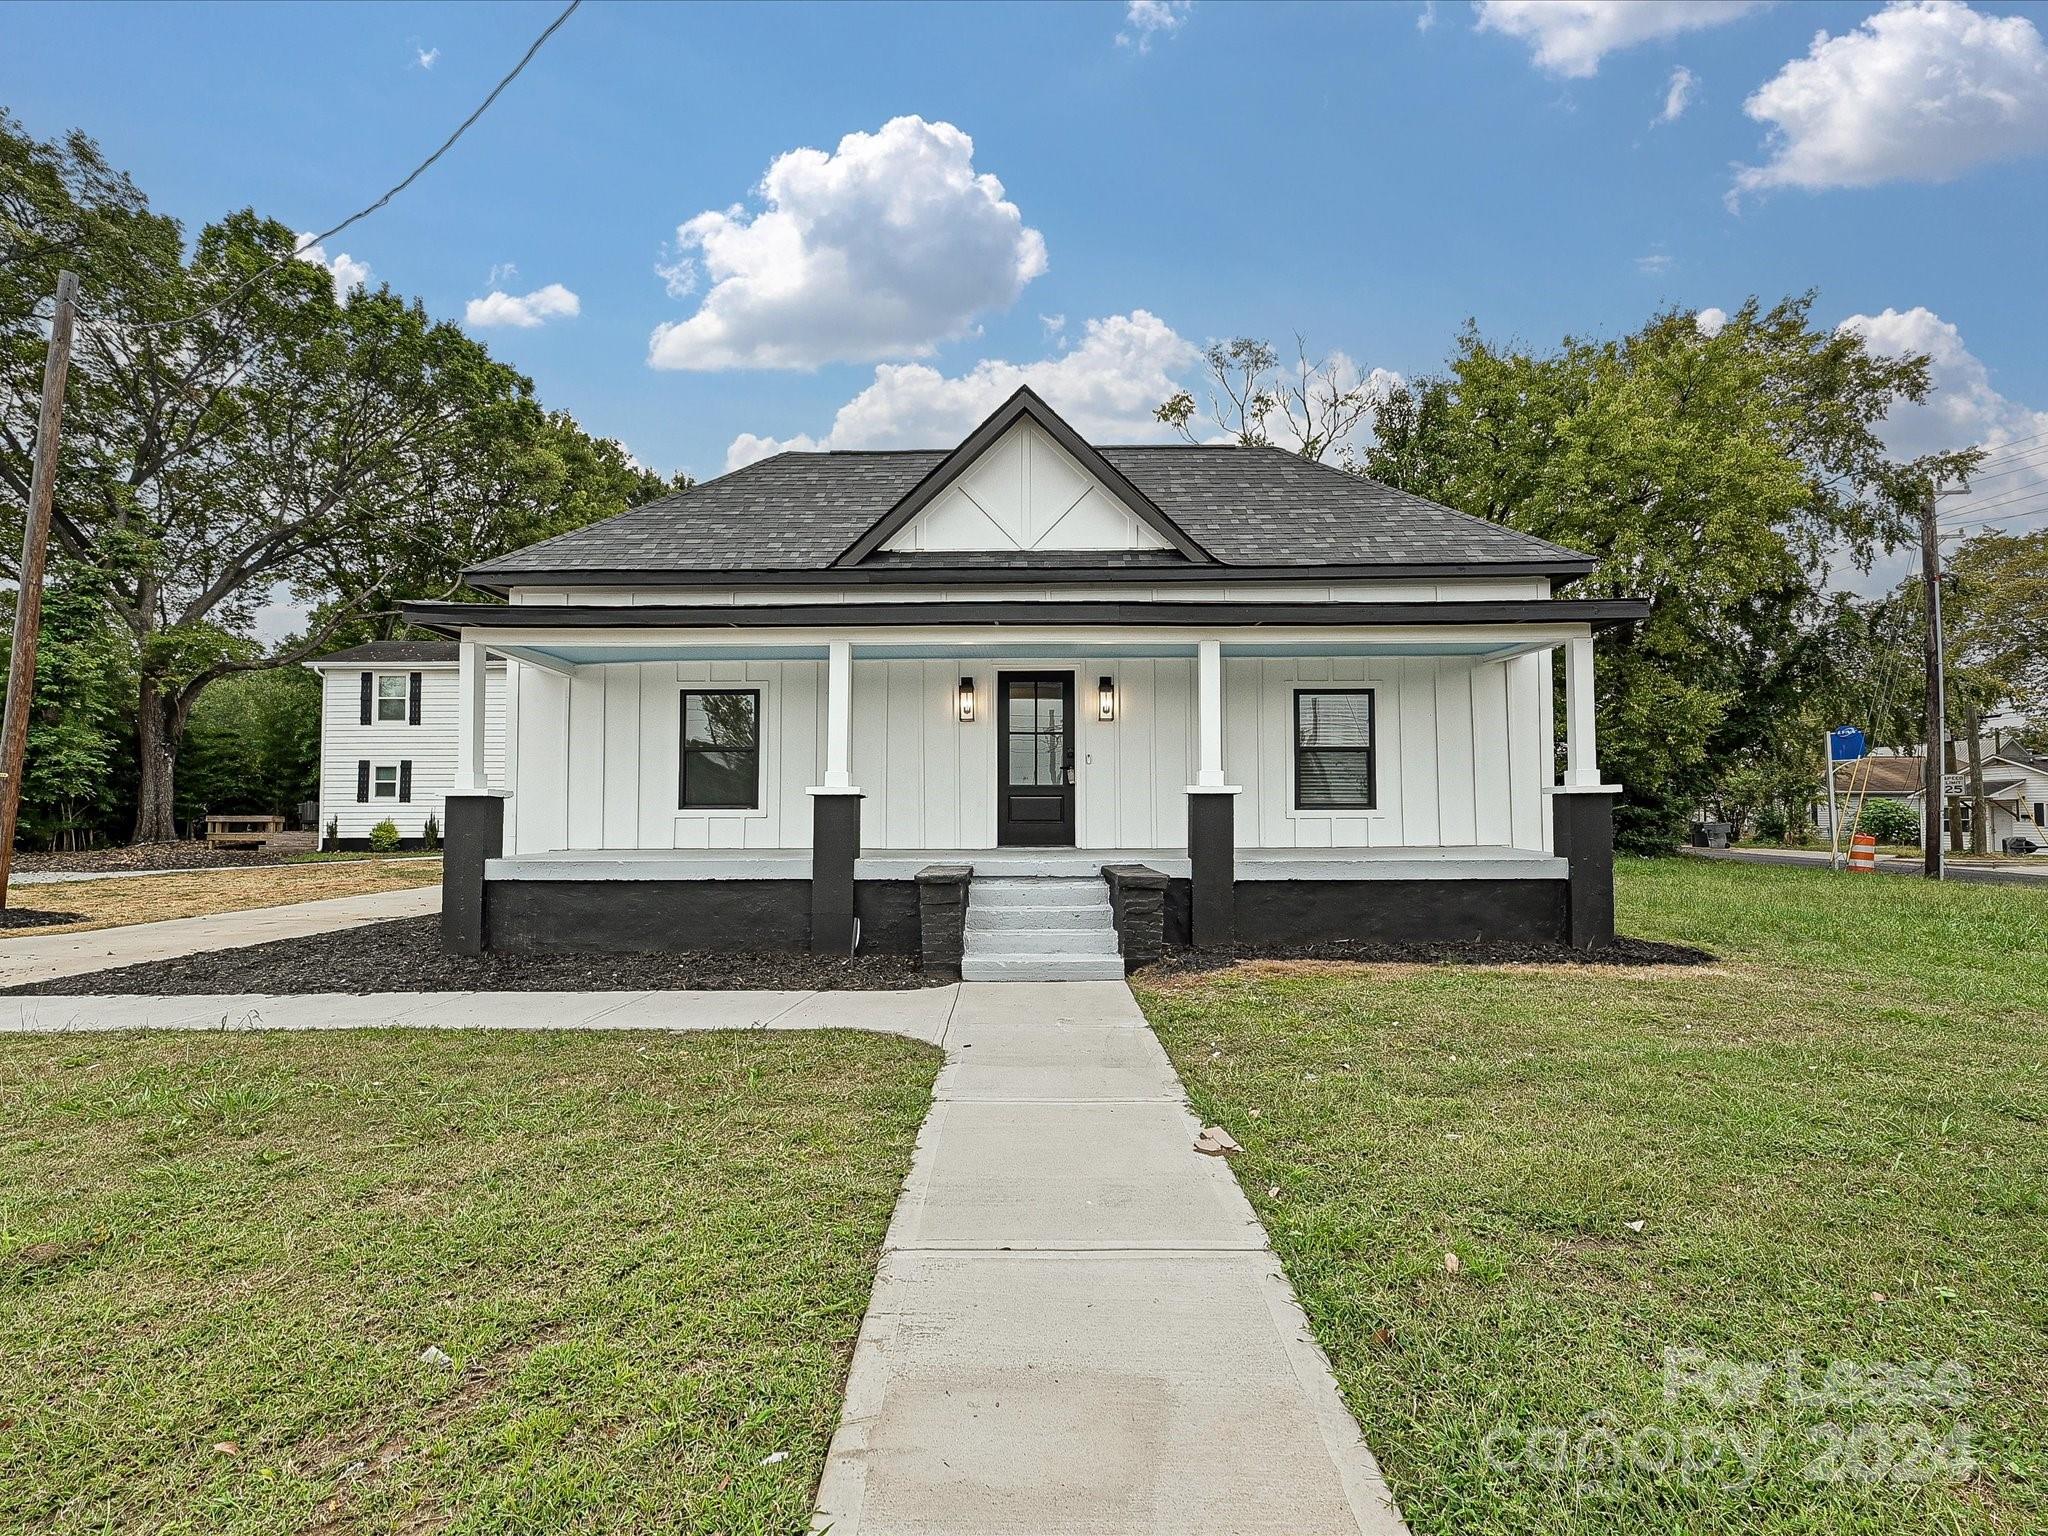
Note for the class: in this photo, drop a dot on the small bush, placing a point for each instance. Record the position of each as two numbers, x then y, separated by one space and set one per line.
430 834
333 842
384 837
1890 821
1770 823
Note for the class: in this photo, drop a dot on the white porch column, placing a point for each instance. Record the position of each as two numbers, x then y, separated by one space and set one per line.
1582 767
1209 713
470 674
839 714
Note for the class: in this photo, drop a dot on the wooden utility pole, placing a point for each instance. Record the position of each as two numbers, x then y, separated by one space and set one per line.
1930 788
35 547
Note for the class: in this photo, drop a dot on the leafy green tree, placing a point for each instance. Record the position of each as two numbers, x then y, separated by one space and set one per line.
79 755
234 430
1716 476
252 746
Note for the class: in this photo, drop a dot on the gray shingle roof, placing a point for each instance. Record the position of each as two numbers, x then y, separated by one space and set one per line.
389 653
1245 506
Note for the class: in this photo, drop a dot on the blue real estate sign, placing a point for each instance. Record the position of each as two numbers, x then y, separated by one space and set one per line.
1845 744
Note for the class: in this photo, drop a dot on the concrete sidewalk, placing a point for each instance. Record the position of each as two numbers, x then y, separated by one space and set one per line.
1078 1325
31 958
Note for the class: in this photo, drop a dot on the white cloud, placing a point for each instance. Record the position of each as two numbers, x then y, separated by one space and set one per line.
1917 93
1963 409
1677 95
1147 20
502 272
1570 37
880 249
1425 19
1710 322
1655 263
554 302
348 273
427 58
1107 386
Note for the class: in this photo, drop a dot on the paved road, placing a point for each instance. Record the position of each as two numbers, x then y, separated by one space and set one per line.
30 958
1887 864
1078 1325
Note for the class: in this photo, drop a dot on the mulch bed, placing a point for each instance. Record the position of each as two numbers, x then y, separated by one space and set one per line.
1623 951
29 917
144 856
406 956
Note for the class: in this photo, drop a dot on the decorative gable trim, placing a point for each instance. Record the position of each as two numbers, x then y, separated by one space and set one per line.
1022 406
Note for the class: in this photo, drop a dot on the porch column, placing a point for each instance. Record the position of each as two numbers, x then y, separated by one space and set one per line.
1582 811
1582 769
1212 831
835 814
470 673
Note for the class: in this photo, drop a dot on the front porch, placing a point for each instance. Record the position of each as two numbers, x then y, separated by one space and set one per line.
1284 778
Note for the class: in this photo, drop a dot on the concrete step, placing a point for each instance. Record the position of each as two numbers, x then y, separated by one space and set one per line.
1042 968
981 919
1041 892
1043 941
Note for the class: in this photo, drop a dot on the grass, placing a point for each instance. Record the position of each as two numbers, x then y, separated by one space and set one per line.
1835 1143
647 1257
350 856
152 898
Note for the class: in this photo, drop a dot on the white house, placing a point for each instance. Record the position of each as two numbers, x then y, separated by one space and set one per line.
387 737
1062 700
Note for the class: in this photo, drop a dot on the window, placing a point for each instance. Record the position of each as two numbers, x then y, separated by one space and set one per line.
1333 766
384 786
393 697
721 750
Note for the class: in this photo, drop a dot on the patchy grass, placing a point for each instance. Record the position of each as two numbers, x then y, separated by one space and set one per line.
152 898
646 1255
1836 1143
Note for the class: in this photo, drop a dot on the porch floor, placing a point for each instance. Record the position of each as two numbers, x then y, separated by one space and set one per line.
1462 863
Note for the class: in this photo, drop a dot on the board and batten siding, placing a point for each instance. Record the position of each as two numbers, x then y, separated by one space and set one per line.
1464 752
429 746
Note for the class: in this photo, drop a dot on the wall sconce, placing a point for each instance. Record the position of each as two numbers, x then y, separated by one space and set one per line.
1105 706
966 701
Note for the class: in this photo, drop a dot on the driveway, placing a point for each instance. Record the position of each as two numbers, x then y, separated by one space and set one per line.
31 958
1077 1325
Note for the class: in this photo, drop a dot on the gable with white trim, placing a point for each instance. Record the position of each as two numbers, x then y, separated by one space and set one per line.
1025 492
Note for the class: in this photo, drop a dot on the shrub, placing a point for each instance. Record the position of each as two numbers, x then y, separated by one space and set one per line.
1890 821
430 834
333 843
384 837
1770 823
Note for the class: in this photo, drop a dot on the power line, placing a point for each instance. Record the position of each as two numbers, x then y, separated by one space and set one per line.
1995 449
2005 517
363 213
2030 460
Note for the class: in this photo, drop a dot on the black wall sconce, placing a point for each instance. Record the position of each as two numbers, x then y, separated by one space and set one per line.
1105 703
966 701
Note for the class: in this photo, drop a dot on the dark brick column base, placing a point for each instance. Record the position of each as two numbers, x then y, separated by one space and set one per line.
1137 900
942 918
474 834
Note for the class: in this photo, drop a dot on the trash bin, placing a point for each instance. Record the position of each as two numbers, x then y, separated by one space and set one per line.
2020 844
1711 834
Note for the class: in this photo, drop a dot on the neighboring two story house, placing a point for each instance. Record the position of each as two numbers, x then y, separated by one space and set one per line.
387 738
1027 684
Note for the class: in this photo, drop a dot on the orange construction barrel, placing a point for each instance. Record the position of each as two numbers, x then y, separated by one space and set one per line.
1863 852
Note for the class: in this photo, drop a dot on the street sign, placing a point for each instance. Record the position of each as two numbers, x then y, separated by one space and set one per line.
1845 744
1956 786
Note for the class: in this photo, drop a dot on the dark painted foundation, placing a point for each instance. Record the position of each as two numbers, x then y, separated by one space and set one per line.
666 916
1387 911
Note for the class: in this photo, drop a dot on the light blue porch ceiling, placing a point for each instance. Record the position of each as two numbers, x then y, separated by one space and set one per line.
595 655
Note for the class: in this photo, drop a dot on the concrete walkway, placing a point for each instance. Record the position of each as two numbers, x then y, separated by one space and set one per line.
1078 1325
31 958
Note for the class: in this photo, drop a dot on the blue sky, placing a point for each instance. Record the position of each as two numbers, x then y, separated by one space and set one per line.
1368 176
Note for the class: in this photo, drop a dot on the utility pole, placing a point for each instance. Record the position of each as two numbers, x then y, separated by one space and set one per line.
35 547
1930 788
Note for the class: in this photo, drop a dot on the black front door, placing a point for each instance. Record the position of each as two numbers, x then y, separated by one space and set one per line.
1035 759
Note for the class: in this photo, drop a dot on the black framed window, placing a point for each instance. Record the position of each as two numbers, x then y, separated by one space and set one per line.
1333 749
721 749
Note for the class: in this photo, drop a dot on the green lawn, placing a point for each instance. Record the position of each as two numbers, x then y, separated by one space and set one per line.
221 1258
1836 1143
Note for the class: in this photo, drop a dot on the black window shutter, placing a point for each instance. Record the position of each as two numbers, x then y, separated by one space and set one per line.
362 779
405 781
413 710
367 686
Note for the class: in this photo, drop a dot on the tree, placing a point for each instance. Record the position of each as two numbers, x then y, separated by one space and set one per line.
79 754
252 746
1716 476
235 429
1315 405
